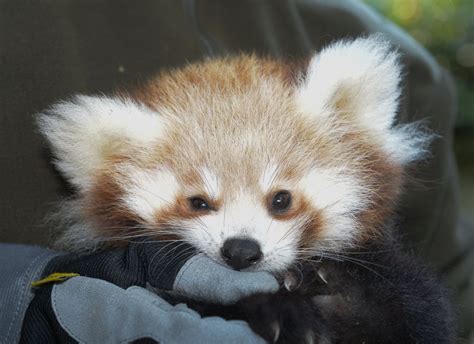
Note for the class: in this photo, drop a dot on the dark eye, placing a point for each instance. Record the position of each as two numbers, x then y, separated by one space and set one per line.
197 203
281 201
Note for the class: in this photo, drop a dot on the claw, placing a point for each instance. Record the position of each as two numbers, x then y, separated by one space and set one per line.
322 275
276 331
309 338
290 281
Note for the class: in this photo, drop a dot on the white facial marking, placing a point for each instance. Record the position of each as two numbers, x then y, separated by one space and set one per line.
268 176
149 191
211 182
244 216
339 195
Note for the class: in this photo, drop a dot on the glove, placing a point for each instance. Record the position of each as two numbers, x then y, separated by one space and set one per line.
88 310
141 263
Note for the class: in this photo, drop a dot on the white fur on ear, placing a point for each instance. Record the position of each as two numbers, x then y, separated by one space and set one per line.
82 132
364 71
361 79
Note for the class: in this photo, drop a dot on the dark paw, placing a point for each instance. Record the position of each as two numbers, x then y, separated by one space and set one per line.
284 317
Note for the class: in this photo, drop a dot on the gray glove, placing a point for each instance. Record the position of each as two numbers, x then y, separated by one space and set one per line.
95 311
203 279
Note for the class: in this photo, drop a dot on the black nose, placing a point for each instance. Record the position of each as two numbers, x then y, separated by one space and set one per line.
241 253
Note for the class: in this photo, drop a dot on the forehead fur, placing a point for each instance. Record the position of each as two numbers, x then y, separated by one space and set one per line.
243 115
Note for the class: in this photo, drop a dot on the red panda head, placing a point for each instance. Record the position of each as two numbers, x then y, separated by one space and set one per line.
252 161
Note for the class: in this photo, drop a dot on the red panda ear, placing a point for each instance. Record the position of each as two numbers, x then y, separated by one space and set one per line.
359 81
358 78
86 131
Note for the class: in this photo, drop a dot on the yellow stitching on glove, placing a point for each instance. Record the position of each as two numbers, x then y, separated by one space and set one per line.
54 277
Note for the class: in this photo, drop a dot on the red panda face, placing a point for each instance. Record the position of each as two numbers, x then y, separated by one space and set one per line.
254 163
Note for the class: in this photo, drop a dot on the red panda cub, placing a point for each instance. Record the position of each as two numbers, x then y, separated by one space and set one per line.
263 165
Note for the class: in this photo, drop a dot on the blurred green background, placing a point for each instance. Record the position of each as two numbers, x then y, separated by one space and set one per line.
446 29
